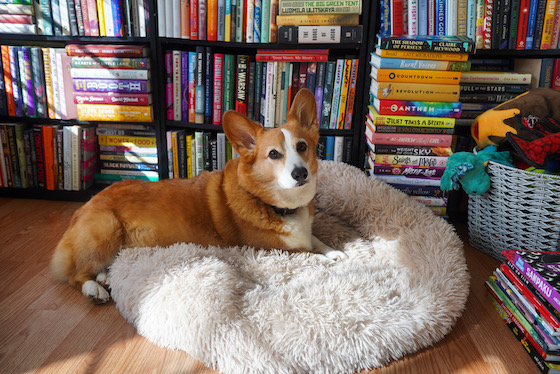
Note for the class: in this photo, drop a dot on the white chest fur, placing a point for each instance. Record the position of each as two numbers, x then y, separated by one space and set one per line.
298 228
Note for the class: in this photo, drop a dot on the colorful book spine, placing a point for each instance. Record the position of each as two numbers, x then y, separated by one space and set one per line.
410 139
126 140
415 121
417 64
427 161
217 94
434 43
428 172
550 293
310 7
415 91
415 76
112 98
169 85
128 113
92 62
103 50
131 74
111 85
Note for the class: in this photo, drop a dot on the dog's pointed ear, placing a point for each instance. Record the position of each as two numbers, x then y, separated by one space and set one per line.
304 109
241 131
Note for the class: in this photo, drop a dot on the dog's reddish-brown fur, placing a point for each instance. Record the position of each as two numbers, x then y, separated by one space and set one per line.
225 208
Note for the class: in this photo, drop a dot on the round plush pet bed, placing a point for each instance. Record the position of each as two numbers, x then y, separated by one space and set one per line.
242 310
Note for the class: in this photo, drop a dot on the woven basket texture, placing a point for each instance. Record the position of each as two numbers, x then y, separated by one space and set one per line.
520 211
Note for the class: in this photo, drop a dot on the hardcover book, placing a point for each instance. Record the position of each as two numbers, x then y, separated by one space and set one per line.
418 108
434 43
415 91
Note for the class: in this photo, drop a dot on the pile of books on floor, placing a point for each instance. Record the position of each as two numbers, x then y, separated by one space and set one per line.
525 291
53 157
414 96
111 82
202 85
126 151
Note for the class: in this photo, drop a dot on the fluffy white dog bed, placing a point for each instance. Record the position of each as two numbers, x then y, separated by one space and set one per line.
242 310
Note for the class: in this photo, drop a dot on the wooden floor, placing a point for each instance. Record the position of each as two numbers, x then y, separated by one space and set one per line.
46 327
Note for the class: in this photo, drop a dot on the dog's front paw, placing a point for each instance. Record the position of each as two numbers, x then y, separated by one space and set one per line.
95 292
336 255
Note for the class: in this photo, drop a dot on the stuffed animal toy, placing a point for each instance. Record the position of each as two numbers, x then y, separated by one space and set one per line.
469 170
529 123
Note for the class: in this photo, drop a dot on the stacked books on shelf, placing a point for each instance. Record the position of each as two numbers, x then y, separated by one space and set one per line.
110 82
17 17
75 17
522 24
414 97
302 21
483 90
524 290
202 85
52 157
126 151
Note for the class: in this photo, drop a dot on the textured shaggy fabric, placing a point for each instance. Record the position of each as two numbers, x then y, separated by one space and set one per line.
242 310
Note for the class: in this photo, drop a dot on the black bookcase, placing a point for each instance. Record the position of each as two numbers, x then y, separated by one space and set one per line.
158 46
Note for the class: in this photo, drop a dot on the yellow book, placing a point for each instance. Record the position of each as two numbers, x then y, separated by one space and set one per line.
138 141
317 19
415 76
48 82
175 148
128 113
189 138
101 18
548 24
413 121
415 91
444 56
344 94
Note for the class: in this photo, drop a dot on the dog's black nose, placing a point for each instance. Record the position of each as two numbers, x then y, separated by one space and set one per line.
300 174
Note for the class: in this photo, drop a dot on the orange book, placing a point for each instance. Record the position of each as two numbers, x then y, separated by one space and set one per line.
185 19
422 55
415 76
212 20
8 80
49 156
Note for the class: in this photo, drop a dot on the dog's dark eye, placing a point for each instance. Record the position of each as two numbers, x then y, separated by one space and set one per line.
274 155
301 147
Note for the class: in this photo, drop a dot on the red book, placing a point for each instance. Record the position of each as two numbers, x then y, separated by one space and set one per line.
555 85
292 51
302 75
102 50
194 19
242 81
117 98
85 17
48 155
93 21
397 25
16 18
523 22
217 99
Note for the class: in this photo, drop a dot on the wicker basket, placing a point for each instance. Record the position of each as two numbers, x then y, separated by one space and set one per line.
521 210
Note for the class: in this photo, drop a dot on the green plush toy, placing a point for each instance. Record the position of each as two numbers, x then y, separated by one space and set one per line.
469 170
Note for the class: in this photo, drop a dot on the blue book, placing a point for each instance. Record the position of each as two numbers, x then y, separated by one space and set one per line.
329 151
199 80
531 23
257 22
208 86
184 86
440 17
192 81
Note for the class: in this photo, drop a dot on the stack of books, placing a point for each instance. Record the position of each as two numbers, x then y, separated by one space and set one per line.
525 291
414 103
52 157
17 17
483 90
126 151
111 82
302 21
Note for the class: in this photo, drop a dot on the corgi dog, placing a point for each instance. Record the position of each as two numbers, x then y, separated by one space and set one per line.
261 199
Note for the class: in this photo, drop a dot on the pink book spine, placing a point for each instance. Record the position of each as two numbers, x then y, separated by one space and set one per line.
111 98
412 139
217 100
92 15
169 85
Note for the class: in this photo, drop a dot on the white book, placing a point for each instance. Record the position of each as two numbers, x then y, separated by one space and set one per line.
17 28
147 173
110 73
76 131
221 140
67 156
64 17
176 18
169 144
250 14
338 148
412 17
451 8
16 9
54 80
198 153
161 9
142 18
168 18
108 15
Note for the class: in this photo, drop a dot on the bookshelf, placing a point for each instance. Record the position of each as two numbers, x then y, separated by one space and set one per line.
158 46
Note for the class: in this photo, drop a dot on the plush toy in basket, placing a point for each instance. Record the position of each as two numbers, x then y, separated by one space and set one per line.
528 126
